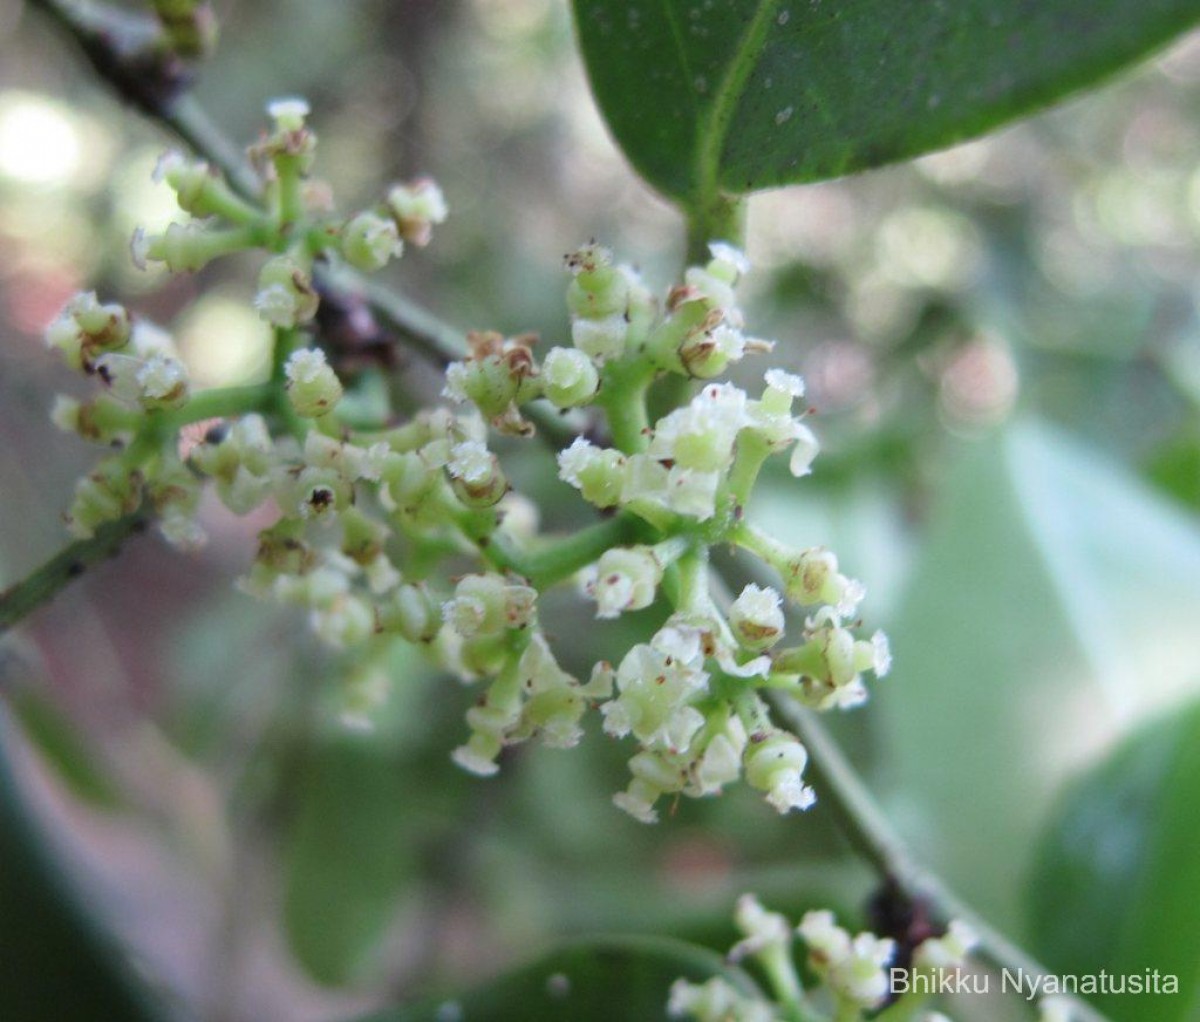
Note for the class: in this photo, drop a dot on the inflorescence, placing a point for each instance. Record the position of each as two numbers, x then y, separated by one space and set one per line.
849 976
372 525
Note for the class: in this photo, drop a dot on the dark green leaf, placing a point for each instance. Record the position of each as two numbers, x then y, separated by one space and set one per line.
1117 879
58 963
740 95
598 980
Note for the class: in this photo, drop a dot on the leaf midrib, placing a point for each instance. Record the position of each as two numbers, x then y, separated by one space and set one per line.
725 101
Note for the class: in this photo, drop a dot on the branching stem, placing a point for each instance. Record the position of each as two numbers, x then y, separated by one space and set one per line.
68 564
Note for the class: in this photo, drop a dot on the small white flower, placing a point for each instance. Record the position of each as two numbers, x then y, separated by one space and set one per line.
627 578
657 682
457 375
477 757
277 304
862 977
471 461
312 385
757 618
288 112
948 951
828 942
369 241
569 377
692 493
775 765
804 452
762 929
163 382
601 339
730 256
721 763
784 382
573 460
637 807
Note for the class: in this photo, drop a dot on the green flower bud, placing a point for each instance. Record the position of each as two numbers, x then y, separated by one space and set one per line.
774 763
598 473
599 290
626 578
601 339
653 776
476 475
369 241
286 296
412 612
200 189
705 355
688 324
186 247
488 383
103 420
85 328
108 492
312 386
478 756
346 621
362 537
488 605
811 577
291 144
317 493
416 207
569 377
756 618
162 382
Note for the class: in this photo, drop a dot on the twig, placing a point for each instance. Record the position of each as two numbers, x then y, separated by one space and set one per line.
64 567
872 836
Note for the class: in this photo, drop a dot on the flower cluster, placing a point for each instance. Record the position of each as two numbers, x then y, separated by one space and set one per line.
295 221
372 523
852 973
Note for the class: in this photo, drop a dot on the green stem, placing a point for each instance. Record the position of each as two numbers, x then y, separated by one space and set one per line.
68 564
222 403
752 453
221 200
623 399
286 341
558 560
765 548
291 204
692 580
719 218
872 836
